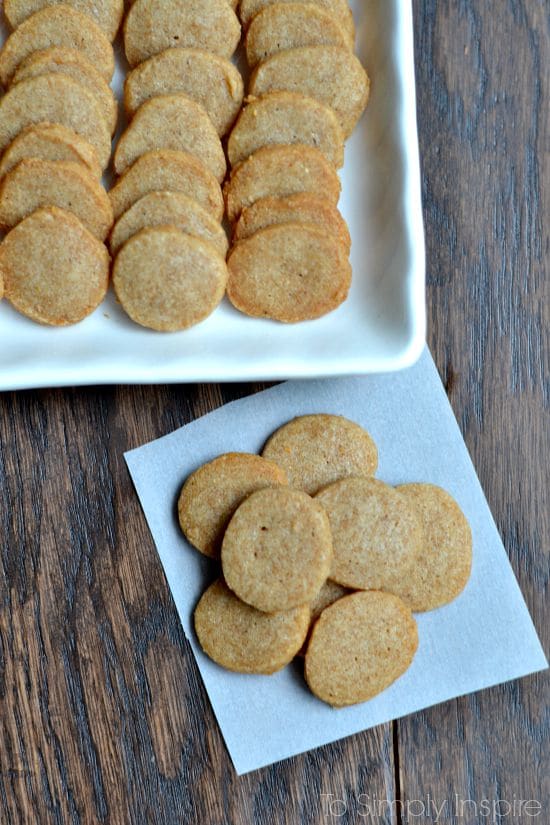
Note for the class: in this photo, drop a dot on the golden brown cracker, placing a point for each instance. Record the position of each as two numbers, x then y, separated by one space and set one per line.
290 273
212 81
175 209
167 280
285 26
171 122
243 639
212 493
50 141
377 534
106 13
151 26
54 271
304 207
317 450
359 646
277 549
280 171
75 65
57 26
166 170
445 563
286 118
339 9
55 98
331 75
34 184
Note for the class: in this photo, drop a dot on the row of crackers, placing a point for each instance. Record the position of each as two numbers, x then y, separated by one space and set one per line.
182 96
307 90
57 119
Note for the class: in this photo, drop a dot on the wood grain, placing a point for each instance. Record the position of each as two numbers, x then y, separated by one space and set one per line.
484 103
103 717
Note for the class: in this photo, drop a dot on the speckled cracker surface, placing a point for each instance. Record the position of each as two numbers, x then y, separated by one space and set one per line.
54 271
277 549
358 647
285 118
55 98
377 534
291 272
166 170
445 563
152 26
167 280
34 184
210 80
317 450
330 74
50 141
73 64
57 26
169 208
240 638
279 171
173 122
285 26
106 13
212 493
339 9
304 207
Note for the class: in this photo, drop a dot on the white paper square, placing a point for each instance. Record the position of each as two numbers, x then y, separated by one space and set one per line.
483 638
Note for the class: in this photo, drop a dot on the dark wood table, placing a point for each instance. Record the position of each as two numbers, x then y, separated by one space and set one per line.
103 715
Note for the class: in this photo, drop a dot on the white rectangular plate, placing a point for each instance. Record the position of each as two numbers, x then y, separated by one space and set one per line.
380 328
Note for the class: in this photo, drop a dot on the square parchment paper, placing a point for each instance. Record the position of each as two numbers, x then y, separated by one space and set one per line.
483 638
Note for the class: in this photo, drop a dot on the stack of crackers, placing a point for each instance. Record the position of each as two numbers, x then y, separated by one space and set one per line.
181 97
56 122
321 559
307 90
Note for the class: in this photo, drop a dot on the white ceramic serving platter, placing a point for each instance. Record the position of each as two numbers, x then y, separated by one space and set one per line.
380 328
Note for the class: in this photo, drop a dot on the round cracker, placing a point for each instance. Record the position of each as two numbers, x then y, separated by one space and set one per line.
152 26
358 647
277 549
175 209
55 272
34 184
55 98
212 493
57 26
168 171
280 171
378 535
243 639
171 122
329 593
331 75
75 65
212 81
317 450
292 272
286 118
303 207
50 141
167 280
285 26
339 9
445 563
106 13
